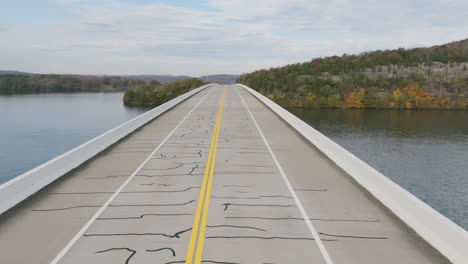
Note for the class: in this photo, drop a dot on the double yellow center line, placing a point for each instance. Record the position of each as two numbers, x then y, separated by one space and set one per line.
197 237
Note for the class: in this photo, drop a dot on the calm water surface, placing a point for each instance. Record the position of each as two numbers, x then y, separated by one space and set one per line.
425 152
36 128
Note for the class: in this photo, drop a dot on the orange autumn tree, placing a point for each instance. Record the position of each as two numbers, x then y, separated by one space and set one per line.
354 99
411 96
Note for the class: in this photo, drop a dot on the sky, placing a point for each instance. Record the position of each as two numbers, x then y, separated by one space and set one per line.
183 37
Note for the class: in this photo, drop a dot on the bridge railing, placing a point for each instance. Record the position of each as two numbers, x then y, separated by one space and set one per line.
444 235
28 183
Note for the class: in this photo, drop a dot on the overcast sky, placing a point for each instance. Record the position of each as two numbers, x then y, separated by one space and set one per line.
213 36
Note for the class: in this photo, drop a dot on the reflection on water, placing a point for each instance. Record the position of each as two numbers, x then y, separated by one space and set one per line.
36 128
425 152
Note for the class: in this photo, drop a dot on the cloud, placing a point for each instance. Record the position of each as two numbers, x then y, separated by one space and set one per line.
116 37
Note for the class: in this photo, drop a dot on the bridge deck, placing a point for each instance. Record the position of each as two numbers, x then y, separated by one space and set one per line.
233 188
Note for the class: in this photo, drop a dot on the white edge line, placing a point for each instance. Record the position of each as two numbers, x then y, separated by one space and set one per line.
314 232
70 244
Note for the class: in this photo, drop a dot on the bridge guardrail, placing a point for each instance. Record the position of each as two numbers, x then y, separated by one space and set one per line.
444 235
28 183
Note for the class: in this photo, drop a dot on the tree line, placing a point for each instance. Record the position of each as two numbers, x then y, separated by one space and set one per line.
55 83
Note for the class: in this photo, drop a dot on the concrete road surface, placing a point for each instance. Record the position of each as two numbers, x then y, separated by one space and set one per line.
218 179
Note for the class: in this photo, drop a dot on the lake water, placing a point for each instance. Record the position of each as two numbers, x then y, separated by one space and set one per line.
36 128
425 152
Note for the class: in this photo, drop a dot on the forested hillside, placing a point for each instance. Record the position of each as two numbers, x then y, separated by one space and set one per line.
429 78
54 83
155 93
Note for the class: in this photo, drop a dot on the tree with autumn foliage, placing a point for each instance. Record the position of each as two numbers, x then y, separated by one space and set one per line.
413 96
355 99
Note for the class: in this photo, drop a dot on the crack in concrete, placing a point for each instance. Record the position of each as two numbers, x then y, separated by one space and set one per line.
218 262
193 169
176 157
133 252
265 238
111 205
151 205
173 168
65 208
235 197
150 184
226 205
160 249
168 175
236 226
312 190
301 219
167 191
139 217
242 172
175 235
276 196
155 191
352 236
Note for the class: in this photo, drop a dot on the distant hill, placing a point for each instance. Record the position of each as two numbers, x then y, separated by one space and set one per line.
15 73
217 78
434 78
220 78
156 77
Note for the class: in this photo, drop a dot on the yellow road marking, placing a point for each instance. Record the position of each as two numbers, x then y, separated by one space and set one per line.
197 237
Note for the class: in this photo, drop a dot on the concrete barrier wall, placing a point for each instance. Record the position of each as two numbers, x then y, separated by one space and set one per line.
25 185
444 235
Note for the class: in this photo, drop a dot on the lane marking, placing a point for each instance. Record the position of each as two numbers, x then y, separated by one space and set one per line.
62 253
197 237
312 229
